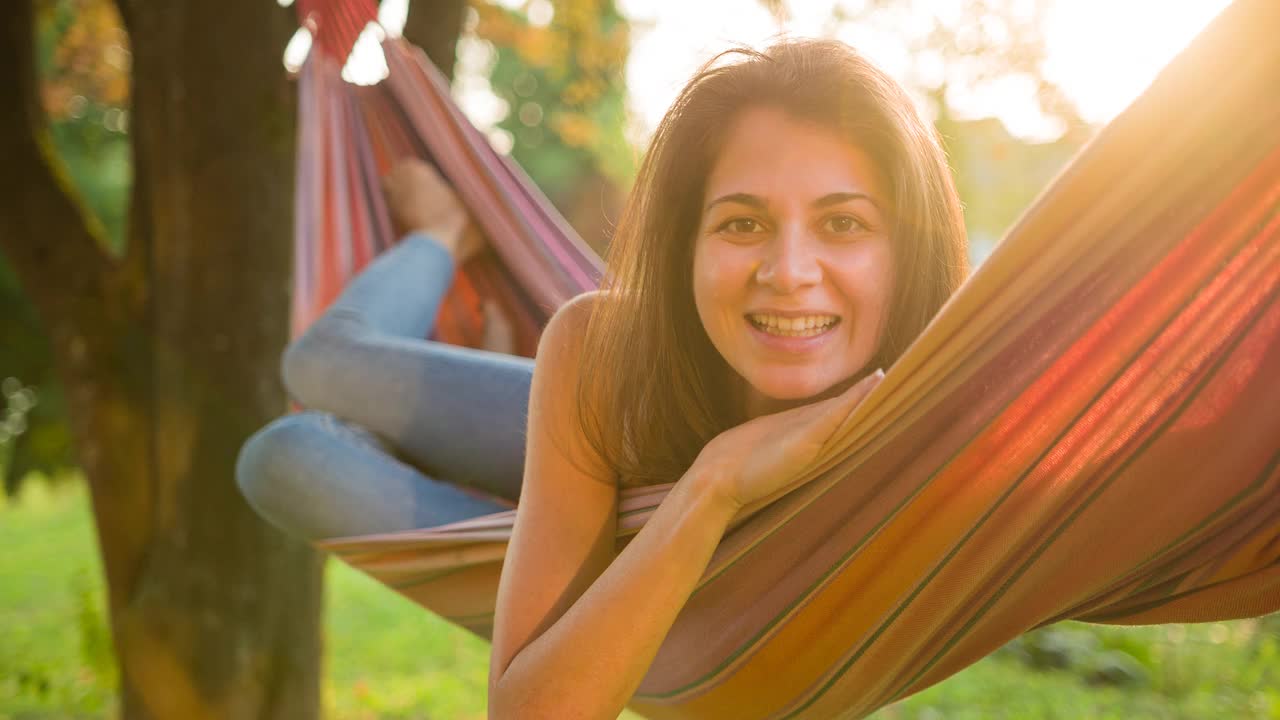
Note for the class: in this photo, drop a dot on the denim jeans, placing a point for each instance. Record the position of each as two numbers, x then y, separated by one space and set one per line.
399 432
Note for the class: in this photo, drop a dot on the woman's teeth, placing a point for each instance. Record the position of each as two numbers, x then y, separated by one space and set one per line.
804 326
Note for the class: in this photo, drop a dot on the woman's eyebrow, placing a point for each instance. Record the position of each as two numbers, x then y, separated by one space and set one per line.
840 197
740 198
825 201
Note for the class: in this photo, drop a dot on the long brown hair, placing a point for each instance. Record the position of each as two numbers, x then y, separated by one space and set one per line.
653 390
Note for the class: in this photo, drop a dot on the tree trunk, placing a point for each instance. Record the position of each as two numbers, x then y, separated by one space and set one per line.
434 25
222 615
169 355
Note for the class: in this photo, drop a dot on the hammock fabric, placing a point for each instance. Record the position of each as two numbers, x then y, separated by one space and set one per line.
1090 429
349 136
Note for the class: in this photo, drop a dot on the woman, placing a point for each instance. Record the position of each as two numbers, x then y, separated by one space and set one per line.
792 229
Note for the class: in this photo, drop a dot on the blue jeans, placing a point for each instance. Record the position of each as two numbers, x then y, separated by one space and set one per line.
400 432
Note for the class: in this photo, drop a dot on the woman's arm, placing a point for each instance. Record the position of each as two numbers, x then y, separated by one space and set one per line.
575 628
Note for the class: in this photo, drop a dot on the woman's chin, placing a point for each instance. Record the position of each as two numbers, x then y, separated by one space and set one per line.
791 390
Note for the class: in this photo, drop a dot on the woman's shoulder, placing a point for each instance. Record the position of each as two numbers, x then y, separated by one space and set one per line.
566 331
580 307
557 401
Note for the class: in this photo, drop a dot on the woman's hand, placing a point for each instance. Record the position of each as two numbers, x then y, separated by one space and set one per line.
421 201
758 458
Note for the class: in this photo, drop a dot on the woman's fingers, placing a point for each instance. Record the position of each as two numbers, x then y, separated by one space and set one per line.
849 399
801 433
834 411
767 456
826 421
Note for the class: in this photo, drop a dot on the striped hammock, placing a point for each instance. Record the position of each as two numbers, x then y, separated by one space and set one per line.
1090 429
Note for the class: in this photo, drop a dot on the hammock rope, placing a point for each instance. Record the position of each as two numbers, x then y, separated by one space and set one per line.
1089 429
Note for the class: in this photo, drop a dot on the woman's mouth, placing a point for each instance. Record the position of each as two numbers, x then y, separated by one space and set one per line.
802 326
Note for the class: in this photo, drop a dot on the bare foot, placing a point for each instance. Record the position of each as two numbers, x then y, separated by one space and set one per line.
420 200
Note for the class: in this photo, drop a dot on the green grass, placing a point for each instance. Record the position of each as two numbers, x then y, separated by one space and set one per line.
50 595
389 659
386 658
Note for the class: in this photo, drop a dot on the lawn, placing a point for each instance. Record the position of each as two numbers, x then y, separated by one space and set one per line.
389 659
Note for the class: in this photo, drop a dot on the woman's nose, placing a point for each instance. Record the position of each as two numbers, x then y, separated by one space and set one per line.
791 262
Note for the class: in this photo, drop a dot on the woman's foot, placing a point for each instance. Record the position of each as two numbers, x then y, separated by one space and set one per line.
421 201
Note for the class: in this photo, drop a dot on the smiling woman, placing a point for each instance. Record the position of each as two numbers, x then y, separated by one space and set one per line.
792 229
793 264
798 182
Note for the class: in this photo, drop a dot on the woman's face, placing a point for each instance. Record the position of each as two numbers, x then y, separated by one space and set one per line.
792 269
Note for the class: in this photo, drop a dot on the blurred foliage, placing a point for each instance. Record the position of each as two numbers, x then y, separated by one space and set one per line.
1214 666
34 436
970 43
84 72
966 46
997 175
560 67
84 52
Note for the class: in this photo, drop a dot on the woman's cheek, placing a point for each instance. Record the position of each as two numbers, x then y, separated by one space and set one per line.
866 274
709 265
705 292
721 282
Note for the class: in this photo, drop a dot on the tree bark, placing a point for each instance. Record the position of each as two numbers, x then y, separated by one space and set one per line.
169 355
223 619
434 26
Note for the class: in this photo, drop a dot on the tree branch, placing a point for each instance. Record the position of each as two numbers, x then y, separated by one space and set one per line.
42 230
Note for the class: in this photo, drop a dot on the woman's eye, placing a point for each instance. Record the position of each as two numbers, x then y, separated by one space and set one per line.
741 225
843 223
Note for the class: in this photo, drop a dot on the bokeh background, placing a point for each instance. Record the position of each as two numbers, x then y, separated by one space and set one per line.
572 89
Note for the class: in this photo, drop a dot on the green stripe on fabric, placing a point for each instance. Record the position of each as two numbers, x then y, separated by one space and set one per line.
1267 473
833 678
1156 434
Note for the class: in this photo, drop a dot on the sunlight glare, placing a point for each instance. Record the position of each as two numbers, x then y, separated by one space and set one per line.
540 13
1105 52
1102 53
392 15
295 53
471 88
367 65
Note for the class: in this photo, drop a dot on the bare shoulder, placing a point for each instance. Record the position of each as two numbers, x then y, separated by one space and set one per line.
565 331
553 403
